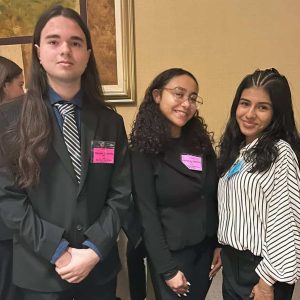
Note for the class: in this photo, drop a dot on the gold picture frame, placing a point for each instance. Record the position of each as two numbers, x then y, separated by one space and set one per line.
125 90
113 42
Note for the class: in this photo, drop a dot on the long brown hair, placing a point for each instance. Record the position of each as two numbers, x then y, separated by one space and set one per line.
27 144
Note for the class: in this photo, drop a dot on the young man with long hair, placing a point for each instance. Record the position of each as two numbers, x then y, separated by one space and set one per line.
64 182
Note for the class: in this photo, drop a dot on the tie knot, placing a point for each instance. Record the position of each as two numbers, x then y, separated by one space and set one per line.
65 108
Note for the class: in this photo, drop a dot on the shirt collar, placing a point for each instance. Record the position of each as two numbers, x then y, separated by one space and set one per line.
55 98
248 147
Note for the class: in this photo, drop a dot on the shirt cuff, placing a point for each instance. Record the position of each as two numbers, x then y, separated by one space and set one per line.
170 274
92 246
265 276
62 246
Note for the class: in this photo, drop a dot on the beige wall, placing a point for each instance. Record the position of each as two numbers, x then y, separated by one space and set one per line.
219 41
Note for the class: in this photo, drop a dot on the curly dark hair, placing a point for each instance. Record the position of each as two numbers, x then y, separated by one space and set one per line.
151 131
282 125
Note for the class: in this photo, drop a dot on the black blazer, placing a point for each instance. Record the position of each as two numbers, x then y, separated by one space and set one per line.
178 206
132 225
5 233
58 207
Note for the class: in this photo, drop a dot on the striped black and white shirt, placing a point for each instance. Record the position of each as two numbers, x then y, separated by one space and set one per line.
260 212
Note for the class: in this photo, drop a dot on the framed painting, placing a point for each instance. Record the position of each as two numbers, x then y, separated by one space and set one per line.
112 31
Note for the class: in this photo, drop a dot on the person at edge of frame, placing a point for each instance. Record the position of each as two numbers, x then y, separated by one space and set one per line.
260 183
11 86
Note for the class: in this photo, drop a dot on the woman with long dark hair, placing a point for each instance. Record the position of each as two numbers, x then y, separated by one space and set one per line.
259 191
174 178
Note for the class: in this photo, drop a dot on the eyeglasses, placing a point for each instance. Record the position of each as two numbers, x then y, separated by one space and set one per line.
180 95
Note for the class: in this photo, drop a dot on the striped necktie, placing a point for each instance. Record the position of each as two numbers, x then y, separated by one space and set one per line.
71 136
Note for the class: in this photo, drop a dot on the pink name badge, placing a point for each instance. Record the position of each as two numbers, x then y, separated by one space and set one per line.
103 155
192 162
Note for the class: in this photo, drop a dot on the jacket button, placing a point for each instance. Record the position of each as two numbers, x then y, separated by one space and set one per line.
79 227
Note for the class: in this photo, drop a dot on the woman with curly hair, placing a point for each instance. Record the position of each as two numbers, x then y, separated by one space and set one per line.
175 184
259 191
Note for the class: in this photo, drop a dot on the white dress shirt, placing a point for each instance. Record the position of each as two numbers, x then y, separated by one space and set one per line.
260 212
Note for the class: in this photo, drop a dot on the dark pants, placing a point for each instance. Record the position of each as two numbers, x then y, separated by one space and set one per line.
7 290
239 276
81 291
195 263
136 271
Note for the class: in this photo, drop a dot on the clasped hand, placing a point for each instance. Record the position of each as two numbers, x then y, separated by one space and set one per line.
75 264
178 284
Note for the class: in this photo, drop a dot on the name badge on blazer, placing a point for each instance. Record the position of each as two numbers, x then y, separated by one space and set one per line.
192 162
102 152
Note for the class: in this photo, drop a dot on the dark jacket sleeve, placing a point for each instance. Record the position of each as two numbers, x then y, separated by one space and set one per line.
146 199
132 226
211 195
17 212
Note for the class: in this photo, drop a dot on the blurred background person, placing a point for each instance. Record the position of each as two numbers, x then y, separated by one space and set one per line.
11 80
11 86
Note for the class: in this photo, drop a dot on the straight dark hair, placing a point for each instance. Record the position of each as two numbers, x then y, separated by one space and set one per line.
282 126
27 144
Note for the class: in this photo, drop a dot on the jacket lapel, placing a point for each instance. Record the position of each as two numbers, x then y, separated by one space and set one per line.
89 120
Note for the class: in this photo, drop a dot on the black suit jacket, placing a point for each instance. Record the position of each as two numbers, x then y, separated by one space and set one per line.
178 206
58 207
5 233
